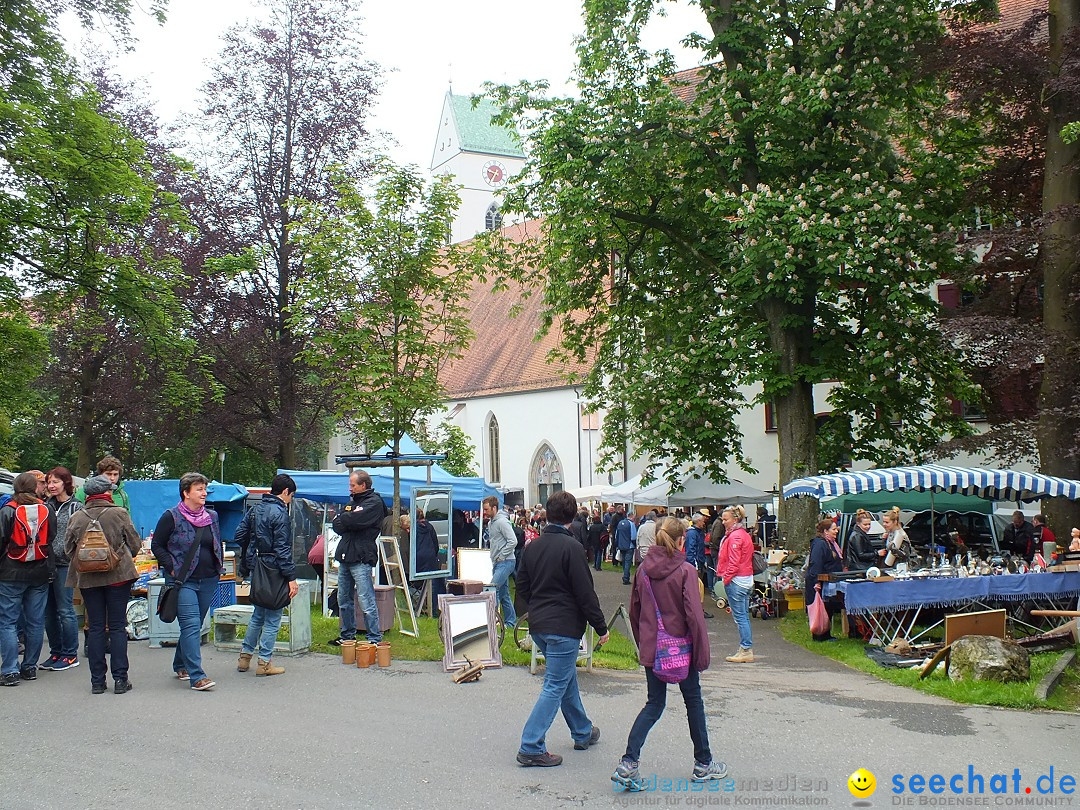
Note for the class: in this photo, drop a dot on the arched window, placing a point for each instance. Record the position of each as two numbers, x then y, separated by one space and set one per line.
546 473
494 465
492 219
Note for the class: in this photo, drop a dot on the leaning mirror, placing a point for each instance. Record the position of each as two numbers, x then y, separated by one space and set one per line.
429 535
467 626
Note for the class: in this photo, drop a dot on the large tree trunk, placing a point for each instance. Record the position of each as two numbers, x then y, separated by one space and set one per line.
1059 414
85 438
794 416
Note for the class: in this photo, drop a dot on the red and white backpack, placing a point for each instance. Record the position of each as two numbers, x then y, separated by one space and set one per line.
29 533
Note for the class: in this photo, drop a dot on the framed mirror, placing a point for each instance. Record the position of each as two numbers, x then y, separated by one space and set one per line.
429 535
467 626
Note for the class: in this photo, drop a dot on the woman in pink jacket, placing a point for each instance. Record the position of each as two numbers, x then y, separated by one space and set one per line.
674 592
735 566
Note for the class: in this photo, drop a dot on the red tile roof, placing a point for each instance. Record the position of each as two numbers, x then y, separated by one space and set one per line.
506 356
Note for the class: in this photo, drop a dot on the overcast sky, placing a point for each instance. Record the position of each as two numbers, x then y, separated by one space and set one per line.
422 44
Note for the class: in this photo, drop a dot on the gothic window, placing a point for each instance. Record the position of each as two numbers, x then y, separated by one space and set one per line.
547 473
492 219
494 465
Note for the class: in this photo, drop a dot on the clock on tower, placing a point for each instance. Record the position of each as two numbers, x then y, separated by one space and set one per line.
494 173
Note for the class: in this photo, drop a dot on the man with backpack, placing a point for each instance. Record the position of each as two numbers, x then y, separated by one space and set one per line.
626 542
27 527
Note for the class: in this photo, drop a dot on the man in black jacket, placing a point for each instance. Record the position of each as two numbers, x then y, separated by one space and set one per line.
1019 537
359 525
556 583
266 532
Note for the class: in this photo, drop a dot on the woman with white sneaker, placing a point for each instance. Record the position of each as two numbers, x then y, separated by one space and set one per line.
735 566
667 583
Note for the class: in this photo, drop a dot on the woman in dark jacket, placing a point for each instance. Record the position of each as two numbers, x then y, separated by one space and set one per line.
105 593
61 624
188 524
825 558
668 583
860 553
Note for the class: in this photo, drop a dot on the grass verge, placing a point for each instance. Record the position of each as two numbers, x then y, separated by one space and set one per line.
618 653
850 652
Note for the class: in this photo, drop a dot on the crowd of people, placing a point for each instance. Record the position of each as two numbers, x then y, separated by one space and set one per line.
54 539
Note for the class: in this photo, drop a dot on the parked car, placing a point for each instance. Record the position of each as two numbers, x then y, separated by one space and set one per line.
978 532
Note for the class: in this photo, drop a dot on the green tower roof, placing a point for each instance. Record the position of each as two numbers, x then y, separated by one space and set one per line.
476 131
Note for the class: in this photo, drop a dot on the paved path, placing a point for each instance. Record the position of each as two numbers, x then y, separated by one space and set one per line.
327 736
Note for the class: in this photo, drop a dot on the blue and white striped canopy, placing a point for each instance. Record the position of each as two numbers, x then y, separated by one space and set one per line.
998 485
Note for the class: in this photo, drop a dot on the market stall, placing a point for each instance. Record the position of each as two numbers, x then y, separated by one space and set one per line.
895 609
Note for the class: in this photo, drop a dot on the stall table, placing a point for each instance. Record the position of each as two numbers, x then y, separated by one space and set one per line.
894 609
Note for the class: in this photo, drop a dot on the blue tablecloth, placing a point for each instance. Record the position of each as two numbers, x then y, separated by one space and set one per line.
867 597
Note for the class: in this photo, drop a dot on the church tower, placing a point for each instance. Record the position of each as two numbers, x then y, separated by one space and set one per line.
481 157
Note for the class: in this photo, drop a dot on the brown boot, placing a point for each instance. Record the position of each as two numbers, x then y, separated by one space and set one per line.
743 656
243 664
267 668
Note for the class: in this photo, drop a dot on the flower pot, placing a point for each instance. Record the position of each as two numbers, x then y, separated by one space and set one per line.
348 652
365 654
382 652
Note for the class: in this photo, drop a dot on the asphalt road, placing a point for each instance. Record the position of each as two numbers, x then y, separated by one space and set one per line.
791 727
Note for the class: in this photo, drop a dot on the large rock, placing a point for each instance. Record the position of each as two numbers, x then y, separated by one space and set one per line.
986 658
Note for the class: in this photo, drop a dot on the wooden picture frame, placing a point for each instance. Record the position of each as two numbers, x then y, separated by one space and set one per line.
467 626
475 564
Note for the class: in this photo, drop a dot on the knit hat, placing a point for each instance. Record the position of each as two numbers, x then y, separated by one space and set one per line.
98 485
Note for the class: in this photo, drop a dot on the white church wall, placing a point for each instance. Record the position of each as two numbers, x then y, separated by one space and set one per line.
470 170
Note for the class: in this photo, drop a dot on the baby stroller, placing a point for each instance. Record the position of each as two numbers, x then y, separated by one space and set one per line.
761 606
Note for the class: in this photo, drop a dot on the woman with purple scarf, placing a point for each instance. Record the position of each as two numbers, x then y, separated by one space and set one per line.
187 544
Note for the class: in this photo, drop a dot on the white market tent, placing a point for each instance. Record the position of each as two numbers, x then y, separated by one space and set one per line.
696 491
621 493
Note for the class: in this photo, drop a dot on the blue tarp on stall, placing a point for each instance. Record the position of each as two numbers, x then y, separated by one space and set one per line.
149 499
333 487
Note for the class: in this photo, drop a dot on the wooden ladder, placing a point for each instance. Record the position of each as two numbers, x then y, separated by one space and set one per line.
390 554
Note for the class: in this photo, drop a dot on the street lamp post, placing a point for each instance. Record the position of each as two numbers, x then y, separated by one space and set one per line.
221 458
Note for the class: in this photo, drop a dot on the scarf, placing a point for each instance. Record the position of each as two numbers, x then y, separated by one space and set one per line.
196 519
104 496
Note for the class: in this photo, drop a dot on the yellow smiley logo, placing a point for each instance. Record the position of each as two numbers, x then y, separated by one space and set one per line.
862 784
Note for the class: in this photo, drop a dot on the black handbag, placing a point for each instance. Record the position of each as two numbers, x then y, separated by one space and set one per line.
169 598
269 588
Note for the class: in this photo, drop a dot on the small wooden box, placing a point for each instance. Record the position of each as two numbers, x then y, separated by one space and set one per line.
464 587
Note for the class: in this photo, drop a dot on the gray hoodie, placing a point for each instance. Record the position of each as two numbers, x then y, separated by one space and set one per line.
501 537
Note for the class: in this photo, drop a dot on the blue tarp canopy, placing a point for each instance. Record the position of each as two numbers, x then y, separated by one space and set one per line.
333 487
150 499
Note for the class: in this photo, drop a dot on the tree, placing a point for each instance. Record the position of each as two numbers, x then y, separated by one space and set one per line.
1059 402
770 221
288 99
390 298
1021 78
449 440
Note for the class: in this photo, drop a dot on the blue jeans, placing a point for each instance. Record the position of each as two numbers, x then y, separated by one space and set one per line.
738 599
195 598
500 578
21 599
560 691
61 624
627 561
262 631
598 560
357 576
654 707
107 605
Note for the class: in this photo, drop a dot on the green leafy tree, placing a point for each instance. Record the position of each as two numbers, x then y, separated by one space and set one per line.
451 441
768 222
391 298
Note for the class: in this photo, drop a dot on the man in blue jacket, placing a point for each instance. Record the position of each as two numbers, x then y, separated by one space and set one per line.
266 531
